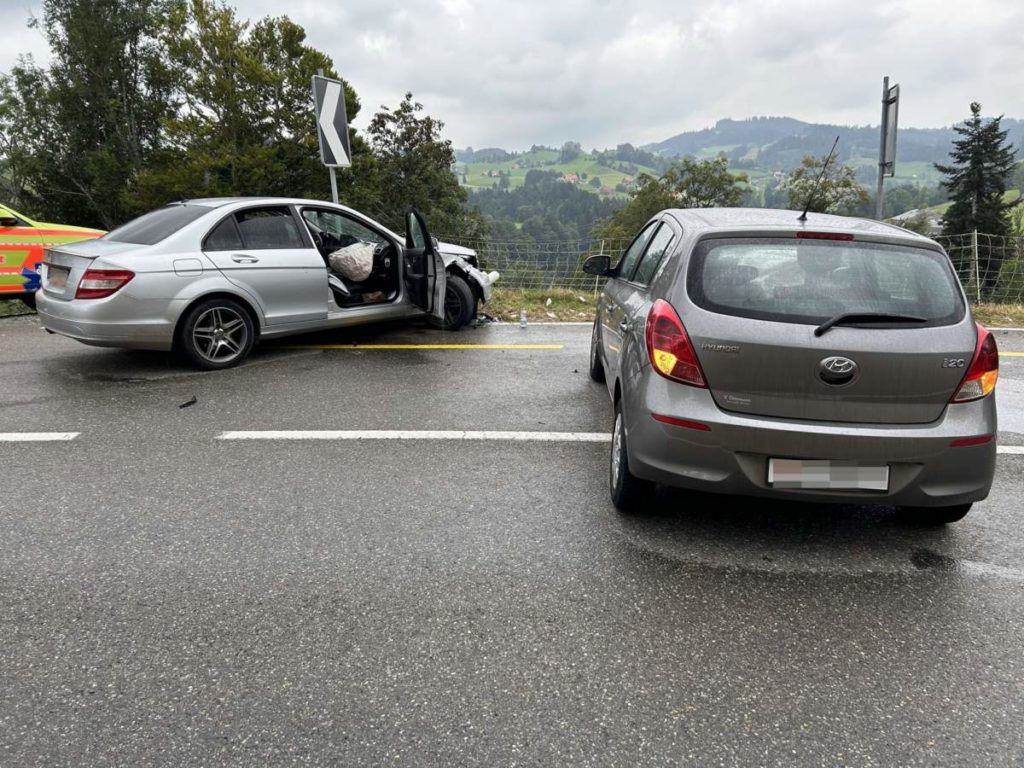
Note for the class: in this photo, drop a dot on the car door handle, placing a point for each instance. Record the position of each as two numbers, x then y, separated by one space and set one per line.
239 258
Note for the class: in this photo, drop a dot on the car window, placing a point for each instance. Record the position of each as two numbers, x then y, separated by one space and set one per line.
651 260
266 228
801 281
224 237
632 254
341 230
151 228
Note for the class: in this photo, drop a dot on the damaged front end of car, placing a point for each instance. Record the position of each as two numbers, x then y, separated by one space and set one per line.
464 262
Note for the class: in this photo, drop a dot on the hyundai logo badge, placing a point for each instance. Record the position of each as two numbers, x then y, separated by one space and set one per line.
837 370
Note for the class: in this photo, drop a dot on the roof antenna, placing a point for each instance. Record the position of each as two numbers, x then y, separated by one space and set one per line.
814 189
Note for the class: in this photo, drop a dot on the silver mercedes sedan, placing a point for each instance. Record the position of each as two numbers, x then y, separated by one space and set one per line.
209 278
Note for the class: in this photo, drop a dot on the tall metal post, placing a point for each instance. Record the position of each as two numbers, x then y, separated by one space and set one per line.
880 195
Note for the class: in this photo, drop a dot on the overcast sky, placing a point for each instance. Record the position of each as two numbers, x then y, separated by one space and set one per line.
512 73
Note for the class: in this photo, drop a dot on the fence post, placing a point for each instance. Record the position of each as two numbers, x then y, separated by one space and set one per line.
977 271
597 278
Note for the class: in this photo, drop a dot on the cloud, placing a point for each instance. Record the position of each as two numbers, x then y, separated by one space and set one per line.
604 72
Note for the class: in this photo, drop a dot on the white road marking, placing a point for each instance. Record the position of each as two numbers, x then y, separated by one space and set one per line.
392 434
432 434
36 437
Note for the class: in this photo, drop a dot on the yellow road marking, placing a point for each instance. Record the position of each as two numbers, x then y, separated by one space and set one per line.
1011 354
426 346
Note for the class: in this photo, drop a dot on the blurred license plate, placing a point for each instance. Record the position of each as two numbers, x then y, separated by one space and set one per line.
829 475
56 277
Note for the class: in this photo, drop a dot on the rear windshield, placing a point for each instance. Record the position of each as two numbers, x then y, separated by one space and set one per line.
809 281
154 226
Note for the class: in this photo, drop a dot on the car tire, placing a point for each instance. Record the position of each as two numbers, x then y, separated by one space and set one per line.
628 492
459 303
216 334
596 366
29 300
934 515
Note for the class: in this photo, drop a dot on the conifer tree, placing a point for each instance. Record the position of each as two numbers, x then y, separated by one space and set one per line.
983 162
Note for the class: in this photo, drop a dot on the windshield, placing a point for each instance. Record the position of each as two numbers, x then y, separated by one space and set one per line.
811 281
154 226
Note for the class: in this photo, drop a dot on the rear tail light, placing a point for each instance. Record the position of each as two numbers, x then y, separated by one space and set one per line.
100 283
981 376
669 347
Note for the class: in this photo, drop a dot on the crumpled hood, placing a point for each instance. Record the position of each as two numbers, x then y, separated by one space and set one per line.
449 249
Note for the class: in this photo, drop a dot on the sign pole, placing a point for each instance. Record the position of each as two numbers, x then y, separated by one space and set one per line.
334 184
880 195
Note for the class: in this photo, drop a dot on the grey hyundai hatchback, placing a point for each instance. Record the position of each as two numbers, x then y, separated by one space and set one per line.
824 359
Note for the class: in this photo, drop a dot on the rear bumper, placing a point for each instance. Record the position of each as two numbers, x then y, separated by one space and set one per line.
732 457
117 321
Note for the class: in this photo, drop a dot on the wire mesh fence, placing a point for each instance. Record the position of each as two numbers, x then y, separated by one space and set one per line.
990 267
546 265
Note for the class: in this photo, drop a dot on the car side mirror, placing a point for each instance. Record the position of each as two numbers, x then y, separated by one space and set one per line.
598 265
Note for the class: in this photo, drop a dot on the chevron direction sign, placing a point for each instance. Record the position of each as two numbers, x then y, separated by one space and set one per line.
331 122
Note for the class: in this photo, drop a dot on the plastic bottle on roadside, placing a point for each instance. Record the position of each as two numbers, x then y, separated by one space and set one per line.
522 318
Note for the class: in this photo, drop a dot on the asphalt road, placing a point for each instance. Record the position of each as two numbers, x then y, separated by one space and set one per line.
171 598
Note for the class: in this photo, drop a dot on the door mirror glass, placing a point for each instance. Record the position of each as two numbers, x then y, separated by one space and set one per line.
598 265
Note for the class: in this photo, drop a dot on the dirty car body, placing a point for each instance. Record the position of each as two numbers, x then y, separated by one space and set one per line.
829 360
266 260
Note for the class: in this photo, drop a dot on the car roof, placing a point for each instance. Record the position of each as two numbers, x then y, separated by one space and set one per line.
218 202
773 219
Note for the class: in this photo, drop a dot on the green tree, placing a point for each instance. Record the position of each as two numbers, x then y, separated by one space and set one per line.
414 164
983 162
838 191
687 183
571 150
243 123
75 134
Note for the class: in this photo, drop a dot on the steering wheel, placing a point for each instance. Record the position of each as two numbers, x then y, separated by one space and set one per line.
319 240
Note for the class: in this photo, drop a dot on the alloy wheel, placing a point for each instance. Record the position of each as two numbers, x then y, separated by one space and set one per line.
220 334
452 308
616 465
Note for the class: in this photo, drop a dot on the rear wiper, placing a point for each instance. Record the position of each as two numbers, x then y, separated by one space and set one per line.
852 318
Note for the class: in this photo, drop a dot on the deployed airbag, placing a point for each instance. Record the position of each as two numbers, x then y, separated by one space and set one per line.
353 262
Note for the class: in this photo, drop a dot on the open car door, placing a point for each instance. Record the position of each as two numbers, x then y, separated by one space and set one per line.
424 267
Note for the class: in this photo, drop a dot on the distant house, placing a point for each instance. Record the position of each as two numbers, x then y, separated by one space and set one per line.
628 180
570 178
928 221
606 190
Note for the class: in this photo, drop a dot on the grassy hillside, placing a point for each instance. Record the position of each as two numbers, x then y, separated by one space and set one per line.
1009 196
545 160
